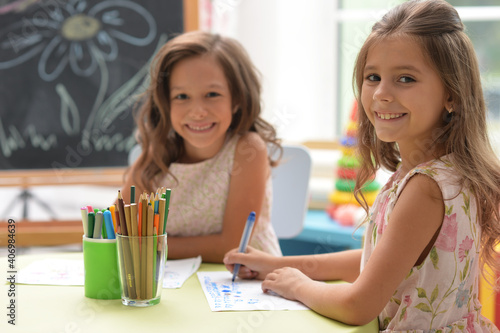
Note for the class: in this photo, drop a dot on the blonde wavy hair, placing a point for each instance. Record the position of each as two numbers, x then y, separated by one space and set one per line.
160 144
436 26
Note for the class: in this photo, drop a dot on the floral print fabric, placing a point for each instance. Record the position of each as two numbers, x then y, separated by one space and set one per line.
199 199
441 294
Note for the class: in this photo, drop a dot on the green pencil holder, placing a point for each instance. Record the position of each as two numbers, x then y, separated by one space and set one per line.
100 260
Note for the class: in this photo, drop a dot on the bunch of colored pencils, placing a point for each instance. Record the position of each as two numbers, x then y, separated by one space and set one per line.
147 217
141 252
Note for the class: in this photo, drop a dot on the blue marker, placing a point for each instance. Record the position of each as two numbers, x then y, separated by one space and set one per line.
244 240
108 222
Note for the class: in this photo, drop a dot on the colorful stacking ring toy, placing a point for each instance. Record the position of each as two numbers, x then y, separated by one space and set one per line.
347 185
342 198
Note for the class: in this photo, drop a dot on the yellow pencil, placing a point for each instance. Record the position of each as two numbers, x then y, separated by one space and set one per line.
126 209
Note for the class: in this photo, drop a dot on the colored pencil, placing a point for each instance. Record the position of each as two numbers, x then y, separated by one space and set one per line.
144 214
156 220
129 267
139 217
155 256
144 257
150 257
144 251
121 213
155 201
167 208
126 209
127 255
135 249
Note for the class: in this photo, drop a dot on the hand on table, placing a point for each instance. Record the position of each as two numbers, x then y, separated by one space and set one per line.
285 282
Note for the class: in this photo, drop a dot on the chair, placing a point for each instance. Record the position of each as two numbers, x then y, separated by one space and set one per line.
290 181
290 191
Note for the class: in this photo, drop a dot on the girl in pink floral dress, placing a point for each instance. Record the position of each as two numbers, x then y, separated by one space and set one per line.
436 222
442 290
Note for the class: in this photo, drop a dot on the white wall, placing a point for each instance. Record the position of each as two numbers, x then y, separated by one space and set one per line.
292 43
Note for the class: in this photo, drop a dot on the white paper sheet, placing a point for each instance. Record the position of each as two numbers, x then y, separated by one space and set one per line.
68 272
241 295
178 271
62 272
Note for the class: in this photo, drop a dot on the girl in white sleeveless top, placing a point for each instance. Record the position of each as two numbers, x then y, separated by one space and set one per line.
202 135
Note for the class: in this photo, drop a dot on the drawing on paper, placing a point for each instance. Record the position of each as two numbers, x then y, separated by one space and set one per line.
241 295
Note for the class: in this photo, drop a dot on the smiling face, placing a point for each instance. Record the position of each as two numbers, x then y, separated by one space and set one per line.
403 96
200 106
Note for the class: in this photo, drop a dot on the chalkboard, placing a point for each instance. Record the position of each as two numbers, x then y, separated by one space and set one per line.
70 73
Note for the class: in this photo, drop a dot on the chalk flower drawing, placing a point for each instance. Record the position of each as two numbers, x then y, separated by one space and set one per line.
73 33
64 34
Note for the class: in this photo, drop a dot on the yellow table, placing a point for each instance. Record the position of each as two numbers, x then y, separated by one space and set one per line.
59 309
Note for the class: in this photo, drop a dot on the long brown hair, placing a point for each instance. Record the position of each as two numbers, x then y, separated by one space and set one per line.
436 26
155 132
